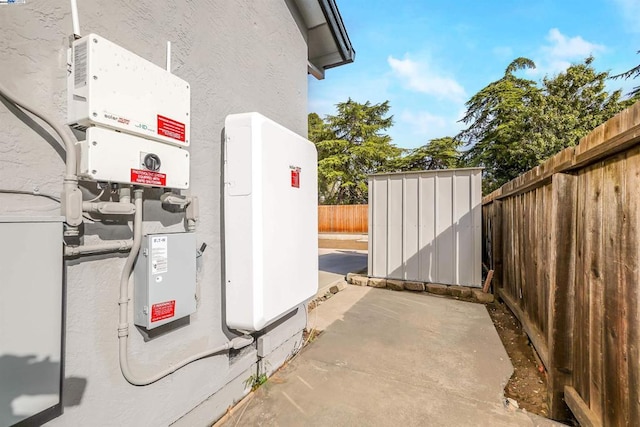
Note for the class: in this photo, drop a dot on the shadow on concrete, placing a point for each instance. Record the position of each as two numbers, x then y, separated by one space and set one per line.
342 262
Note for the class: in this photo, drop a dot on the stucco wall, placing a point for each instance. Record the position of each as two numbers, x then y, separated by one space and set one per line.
238 56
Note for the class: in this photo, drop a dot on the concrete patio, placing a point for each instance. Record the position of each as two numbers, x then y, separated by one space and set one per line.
391 358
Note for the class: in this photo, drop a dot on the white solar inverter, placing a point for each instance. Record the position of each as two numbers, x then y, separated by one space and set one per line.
270 221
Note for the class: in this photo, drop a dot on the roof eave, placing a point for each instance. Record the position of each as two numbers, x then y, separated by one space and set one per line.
328 41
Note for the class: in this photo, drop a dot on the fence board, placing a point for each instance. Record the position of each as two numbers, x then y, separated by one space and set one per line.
593 288
585 416
614 365
632 272
560 295
581 314
343 218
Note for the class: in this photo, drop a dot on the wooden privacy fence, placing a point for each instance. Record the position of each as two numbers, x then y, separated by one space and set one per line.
564 241
343 218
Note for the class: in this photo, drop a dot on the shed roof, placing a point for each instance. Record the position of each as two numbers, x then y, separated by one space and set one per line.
428 171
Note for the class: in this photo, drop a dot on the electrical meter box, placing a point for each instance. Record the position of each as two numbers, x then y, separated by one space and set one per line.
112 87
165 279
271 221
118 157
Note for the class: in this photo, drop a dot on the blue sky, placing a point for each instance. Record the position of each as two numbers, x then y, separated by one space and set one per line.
428 57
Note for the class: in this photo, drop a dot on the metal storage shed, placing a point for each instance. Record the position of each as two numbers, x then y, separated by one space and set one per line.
426 226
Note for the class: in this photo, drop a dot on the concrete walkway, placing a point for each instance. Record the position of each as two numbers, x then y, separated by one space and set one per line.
391 359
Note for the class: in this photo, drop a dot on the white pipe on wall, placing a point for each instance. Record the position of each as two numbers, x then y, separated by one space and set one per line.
114 246
169 56
71 197
74 18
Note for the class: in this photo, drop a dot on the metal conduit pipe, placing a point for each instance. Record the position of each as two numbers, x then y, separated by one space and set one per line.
113 246
71 197
123 207
108 208
124 194
69 145
123 326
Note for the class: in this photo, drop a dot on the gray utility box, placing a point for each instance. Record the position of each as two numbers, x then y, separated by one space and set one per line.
165 279
30 319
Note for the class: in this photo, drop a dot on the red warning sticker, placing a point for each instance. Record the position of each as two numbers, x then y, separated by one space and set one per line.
295 178
171 128
163 310
141 176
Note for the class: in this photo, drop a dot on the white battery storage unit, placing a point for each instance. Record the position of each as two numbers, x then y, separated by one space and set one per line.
165 279
118 157
271 221
112 87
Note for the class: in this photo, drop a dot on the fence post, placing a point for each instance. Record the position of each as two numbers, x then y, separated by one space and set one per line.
496 243
562 259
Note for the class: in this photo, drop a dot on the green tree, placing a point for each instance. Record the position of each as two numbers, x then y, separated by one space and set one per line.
351 145
439 153
575 103
498 119
318 129
514 124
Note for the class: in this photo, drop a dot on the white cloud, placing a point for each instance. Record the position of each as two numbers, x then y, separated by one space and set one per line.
563 47
425 125
561 51
423 122
419 77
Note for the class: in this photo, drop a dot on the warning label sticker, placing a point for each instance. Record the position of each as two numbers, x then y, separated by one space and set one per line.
159 255
171 128
141 176
295 178
163 310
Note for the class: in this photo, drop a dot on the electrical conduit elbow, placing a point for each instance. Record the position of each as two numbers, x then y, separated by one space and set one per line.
71 197
123 302
69 145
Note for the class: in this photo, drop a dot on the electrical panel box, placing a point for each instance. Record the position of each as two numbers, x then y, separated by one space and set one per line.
31 352
165 279
271 221
112 87
118 157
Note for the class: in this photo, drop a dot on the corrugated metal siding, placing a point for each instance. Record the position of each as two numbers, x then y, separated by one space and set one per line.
426 226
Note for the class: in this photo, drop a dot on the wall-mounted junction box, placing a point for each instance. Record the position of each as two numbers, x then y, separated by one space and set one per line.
31 289
271 221
112 87
118 157
165 279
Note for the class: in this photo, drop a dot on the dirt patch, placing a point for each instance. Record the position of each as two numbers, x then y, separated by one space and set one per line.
528 384
342 244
